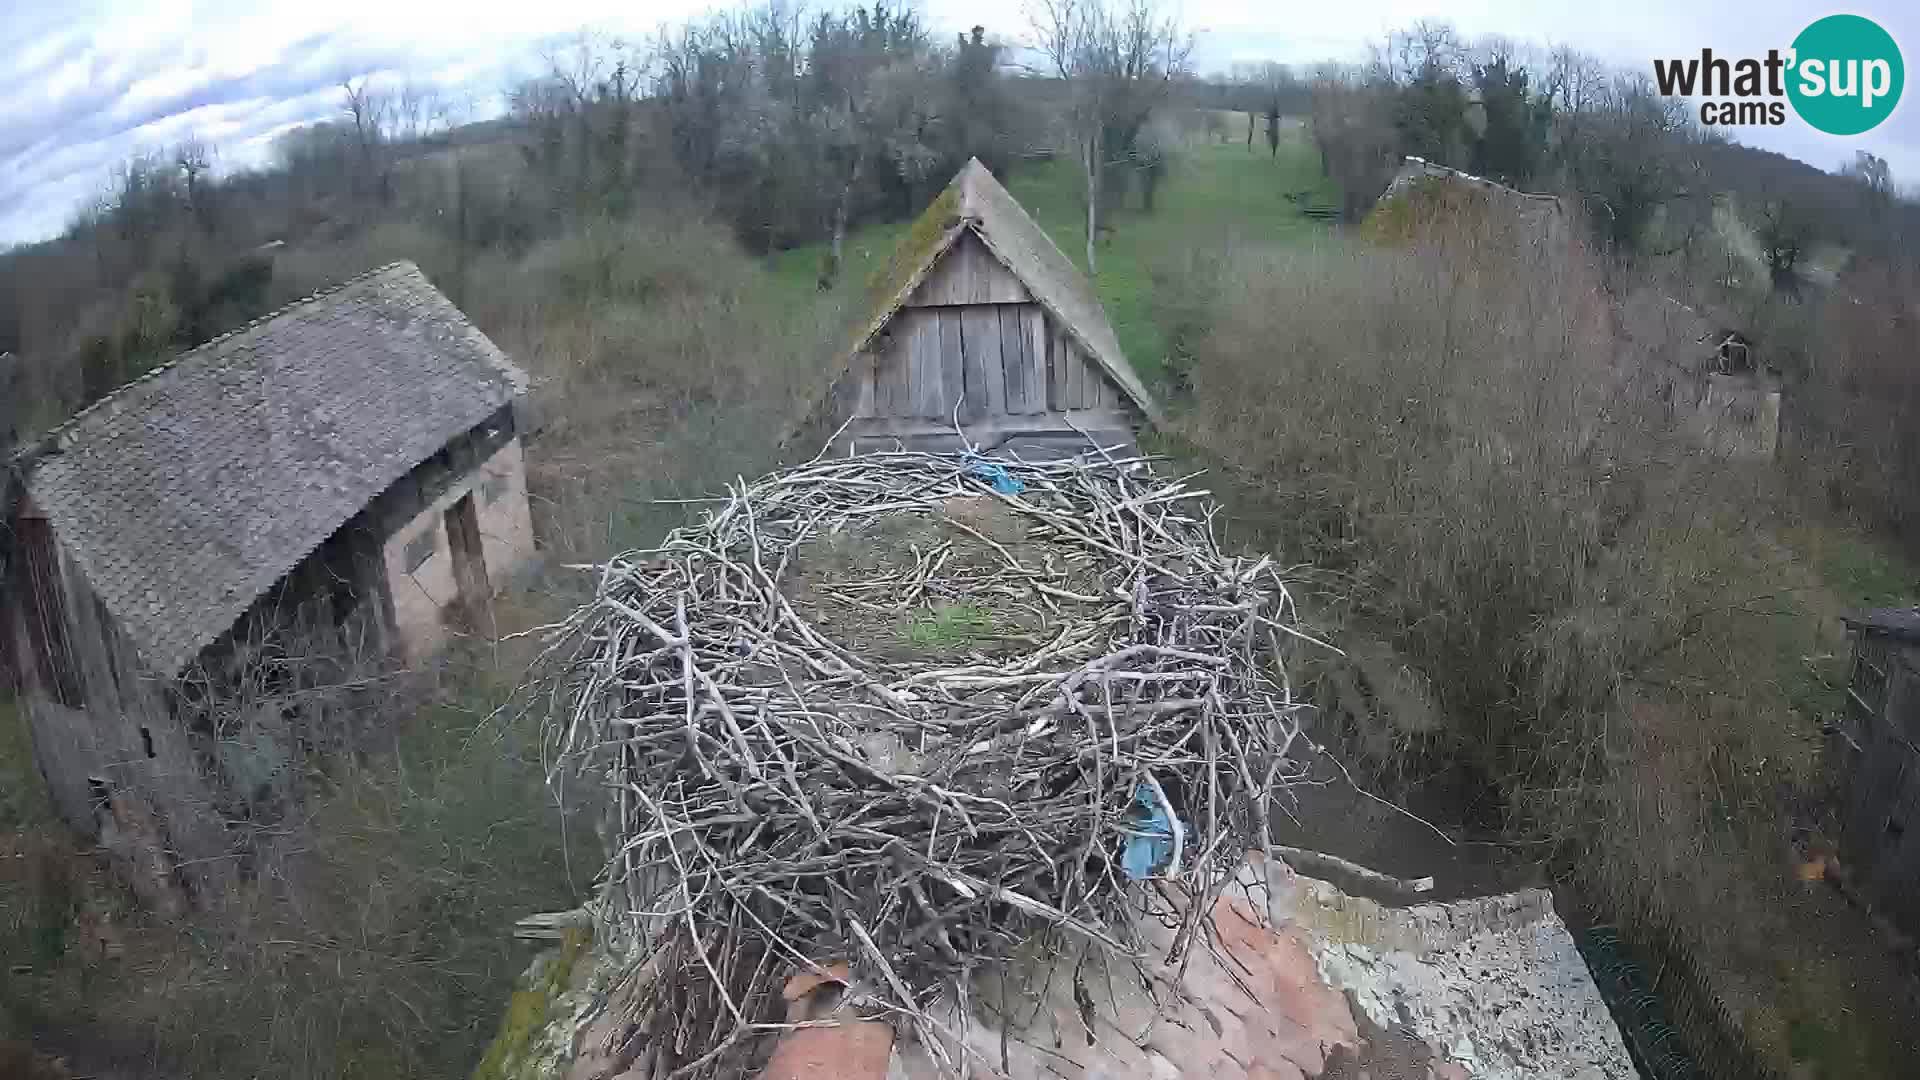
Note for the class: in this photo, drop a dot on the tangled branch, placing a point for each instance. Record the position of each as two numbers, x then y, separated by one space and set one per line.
782 795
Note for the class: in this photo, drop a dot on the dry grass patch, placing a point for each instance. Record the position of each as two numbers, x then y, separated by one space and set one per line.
956 604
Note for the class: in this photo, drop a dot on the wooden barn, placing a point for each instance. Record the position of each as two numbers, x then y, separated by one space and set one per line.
346 470
983 331
1881 781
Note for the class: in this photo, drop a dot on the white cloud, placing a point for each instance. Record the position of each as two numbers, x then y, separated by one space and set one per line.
92 82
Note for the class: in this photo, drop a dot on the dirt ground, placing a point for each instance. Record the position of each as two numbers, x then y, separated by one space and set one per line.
1430 836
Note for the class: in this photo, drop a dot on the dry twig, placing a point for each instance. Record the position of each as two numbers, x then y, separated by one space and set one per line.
756 834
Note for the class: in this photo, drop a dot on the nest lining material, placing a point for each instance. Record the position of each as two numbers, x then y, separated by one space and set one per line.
779 800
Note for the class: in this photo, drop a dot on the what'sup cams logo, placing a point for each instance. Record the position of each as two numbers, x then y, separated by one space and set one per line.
1843 75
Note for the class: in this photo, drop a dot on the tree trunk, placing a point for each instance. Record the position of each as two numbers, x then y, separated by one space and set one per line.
830 265
1093 195
830 269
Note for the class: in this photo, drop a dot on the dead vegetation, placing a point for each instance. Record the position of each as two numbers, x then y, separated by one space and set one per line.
1536 551
782 799
1852 436
369 938
361 934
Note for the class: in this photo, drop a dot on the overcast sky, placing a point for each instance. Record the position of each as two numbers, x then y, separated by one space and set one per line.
92 82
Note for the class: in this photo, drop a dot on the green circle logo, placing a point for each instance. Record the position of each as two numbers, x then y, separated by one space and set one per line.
1846 75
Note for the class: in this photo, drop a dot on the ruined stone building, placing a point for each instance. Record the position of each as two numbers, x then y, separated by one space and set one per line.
981 328
1540 216
1711 377
347 467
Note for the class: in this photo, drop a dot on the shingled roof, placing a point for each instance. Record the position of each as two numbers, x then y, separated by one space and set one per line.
187 494
1902 623
977 202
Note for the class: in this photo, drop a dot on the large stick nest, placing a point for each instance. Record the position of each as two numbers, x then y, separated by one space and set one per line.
795 780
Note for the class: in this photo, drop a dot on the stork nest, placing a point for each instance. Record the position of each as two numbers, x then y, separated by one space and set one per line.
1060 663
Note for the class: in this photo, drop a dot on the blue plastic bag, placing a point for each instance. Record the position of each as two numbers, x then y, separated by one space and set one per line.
994 475
1152 841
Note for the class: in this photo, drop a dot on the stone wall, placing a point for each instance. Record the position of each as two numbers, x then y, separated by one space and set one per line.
418 556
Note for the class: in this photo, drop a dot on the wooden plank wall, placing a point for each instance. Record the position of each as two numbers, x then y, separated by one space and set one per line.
1883 812
973 345
969 274
116 750
993 360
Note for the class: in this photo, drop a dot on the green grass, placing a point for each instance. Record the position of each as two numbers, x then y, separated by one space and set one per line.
1863 574
23 797
1844 571
1217 193
37 898
1809 1041
950 626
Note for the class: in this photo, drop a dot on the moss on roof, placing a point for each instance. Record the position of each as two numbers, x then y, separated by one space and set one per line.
930 232
975 199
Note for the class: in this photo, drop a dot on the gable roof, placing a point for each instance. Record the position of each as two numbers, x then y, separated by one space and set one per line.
976 202
186 494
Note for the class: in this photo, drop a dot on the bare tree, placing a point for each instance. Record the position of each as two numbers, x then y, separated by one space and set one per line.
194 159
370 118
1499 49
1352 116
1875 180
380 118
1783 232
419 111
1266 88
1627 156
1117 60
1870 170
143 199
581 110
1575 83
1424 50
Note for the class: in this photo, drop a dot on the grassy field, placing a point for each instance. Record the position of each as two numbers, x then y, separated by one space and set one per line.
1216 193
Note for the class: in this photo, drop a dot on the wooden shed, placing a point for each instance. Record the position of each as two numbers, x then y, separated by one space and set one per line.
982 330
345 471
1881 780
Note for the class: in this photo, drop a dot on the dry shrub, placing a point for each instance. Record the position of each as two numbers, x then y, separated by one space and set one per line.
1452 432
364 930
1853 429
370 935
665 364
1352 123
304 270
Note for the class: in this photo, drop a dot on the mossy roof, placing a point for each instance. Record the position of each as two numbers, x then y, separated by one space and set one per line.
975 201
